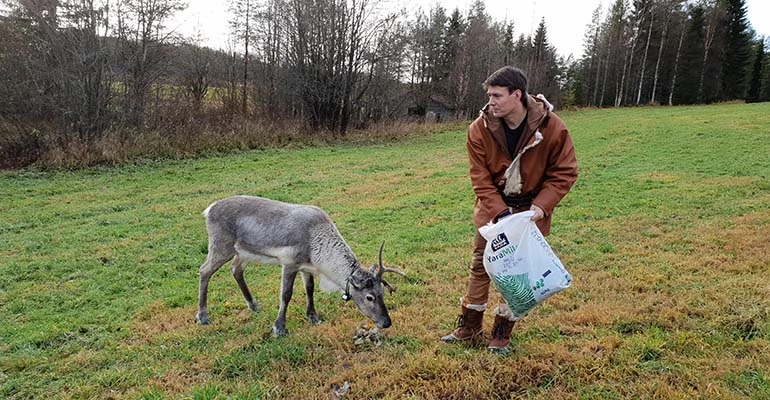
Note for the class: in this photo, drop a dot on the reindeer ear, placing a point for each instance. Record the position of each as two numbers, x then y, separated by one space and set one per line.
360 283
355 282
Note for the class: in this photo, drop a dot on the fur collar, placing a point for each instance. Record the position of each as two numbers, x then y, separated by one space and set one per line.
538 110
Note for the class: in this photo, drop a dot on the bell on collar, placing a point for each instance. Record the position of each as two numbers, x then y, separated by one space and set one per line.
346 296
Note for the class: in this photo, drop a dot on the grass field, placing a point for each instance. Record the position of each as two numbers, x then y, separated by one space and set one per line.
665 234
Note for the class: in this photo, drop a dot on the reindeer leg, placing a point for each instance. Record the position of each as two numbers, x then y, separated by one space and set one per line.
237 270
288 274
218 255
312 316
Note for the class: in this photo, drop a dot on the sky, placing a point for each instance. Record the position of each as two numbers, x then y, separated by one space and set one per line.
565 20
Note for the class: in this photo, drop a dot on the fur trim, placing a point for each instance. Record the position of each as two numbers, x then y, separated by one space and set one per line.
474 307
548 105
505 312
513 183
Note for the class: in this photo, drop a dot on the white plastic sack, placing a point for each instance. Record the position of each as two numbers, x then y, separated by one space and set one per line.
521 263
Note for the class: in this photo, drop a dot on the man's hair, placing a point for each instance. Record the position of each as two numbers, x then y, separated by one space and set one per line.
510 77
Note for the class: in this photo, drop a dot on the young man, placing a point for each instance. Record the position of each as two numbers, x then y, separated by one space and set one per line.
521 158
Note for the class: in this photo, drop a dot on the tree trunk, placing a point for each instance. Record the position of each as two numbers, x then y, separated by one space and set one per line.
676 61
644 59
710 34
606 70
660 55
628 62
244 94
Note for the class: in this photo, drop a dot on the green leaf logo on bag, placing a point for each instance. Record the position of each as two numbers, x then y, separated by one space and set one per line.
517 292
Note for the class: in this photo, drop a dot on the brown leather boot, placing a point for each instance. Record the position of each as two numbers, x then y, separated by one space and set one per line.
468 327
501 335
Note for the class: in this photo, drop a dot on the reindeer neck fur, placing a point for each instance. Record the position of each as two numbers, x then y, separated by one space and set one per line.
332 256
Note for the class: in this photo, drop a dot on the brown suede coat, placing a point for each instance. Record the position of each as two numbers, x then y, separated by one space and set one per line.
548 169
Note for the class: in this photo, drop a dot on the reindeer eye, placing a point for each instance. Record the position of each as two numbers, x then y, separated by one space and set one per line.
369 297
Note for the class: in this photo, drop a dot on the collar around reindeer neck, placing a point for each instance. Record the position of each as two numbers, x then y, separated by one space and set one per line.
346 295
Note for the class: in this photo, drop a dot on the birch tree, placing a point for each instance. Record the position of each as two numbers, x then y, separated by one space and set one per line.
677 59
644 58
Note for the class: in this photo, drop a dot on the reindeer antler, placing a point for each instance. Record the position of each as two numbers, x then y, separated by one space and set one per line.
382 269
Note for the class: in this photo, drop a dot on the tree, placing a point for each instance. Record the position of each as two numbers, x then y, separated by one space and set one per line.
478 59
736 50
144 49
765 93
196 72
709 87
383 96
58 61
668 8
543 66
31 56
755 86
590 64
271 93
430 42
678 58
644 58
454 84
328 46
628 32
436 71
242 28
691 62
614 36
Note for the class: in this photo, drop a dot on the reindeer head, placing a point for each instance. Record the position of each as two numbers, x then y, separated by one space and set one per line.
367 290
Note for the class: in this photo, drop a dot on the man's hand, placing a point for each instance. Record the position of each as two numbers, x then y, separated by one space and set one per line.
539 214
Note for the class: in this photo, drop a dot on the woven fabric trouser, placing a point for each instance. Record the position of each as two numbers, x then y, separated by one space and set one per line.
478 283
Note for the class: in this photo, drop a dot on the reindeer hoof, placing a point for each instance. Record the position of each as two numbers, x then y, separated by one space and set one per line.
277 332
314 319
254 306
203 319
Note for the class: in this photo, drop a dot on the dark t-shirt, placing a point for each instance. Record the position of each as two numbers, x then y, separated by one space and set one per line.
512 136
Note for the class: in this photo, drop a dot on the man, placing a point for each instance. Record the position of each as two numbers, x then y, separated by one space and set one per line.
521 158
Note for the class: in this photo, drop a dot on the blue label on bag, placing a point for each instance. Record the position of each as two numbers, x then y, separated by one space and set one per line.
499 242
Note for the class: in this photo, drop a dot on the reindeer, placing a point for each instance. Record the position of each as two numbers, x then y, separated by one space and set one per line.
301 238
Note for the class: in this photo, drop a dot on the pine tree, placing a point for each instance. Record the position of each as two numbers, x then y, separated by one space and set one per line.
544 69
691 62
737 49
436 39
453 85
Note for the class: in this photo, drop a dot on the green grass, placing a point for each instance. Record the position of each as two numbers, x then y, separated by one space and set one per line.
665 235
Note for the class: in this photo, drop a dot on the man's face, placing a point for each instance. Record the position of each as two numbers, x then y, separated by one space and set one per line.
502 103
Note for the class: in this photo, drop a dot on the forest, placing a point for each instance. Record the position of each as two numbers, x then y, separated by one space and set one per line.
85 76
